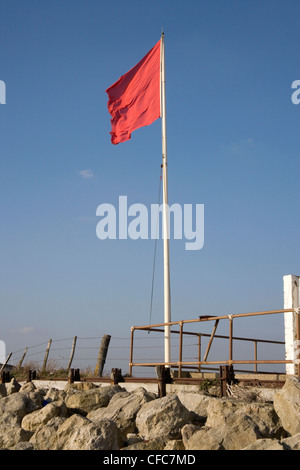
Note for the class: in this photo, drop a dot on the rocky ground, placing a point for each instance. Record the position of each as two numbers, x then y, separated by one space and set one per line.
89 417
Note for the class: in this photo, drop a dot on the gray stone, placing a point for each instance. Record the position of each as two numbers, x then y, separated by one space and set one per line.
123 409
78 433
83 402
265 444
287 405
32 421
163 417
292 442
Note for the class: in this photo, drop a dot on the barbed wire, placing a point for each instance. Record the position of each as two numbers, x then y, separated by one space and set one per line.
147 348
86 353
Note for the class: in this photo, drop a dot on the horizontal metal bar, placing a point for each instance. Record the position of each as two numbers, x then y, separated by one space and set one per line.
153 364
213 318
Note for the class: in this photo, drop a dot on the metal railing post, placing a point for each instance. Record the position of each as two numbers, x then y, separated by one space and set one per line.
131 351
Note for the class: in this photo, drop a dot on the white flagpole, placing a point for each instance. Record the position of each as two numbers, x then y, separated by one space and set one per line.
167 303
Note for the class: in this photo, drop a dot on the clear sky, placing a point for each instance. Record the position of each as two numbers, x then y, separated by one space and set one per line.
233 145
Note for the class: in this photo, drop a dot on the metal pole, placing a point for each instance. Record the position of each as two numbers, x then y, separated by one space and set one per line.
199 351
211 340
230 338
167 307
180 349
131 351
298 341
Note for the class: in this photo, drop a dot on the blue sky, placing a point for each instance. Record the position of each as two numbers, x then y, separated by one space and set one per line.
233 145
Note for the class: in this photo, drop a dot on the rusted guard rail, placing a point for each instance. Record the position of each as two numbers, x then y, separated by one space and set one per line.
200 363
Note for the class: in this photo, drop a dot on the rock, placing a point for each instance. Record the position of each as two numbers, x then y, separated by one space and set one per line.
205 438
34 393
12 387
78 433
242 433
28 387
174 444
23 446
242 424
123 409
292 442
14 407
111 418
153 444
12 410
187 431
196 402
33 420
53 394
45 436
132 438
12 436
227 436
83 402
163 417
266 418
287 405
83 386
3 391
227 412
265 444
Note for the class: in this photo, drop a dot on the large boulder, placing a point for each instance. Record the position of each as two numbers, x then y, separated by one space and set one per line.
32 421
224 412
230 435
287 405
45 436
153 444
265 444
76 433
204 438
79 433
292 442
123 408
164 417
12 387
83 402
196 402
13 408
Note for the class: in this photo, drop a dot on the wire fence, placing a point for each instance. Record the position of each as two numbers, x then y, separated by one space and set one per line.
191 348
60 354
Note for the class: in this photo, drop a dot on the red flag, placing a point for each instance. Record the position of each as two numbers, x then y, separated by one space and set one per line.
134 100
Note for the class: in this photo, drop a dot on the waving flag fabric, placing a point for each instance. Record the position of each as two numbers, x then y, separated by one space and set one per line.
134 100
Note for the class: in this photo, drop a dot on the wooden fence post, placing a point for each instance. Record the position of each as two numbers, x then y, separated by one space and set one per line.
72 352
102 355
23 357
46 355
4 364
164 377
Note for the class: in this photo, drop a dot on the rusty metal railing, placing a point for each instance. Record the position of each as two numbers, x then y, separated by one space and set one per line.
198 365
